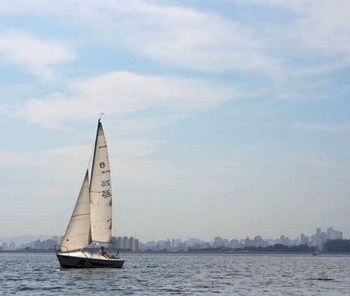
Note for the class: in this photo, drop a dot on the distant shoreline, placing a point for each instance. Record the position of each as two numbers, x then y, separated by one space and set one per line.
199 252
329 247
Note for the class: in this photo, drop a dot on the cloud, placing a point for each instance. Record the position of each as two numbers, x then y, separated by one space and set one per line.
319 163
42 158
175 36
191 39
321 25
36 55
322 127
187 38
121 93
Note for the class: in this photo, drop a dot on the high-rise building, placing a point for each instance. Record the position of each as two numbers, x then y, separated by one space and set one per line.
135 245
334 234
127 243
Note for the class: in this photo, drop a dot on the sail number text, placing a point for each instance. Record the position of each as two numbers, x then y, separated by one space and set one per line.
105 183
106 193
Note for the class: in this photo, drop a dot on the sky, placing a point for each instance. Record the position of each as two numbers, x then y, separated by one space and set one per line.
223 118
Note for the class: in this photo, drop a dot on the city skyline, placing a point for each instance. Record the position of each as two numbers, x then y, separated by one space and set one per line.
316 238
223 118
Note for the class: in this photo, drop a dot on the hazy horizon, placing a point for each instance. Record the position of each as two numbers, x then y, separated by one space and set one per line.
27 238
223 118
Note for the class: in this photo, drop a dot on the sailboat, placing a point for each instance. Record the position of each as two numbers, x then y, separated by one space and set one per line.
91 220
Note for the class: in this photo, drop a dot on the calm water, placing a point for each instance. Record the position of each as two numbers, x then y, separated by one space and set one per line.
180 274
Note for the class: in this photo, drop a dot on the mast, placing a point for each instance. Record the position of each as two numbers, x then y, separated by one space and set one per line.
94 156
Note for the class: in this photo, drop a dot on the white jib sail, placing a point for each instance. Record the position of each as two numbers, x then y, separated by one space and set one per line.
78 233
101 191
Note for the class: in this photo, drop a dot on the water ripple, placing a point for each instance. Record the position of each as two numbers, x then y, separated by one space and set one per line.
180 274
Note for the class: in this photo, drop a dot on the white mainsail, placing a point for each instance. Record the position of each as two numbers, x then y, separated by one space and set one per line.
78 233
100 191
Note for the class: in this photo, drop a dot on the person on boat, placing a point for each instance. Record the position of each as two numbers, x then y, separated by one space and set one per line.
104 253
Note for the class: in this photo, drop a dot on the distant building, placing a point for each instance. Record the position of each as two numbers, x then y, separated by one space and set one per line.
218 242
126 243
334 234
319 238
303 239
12 246
135 245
